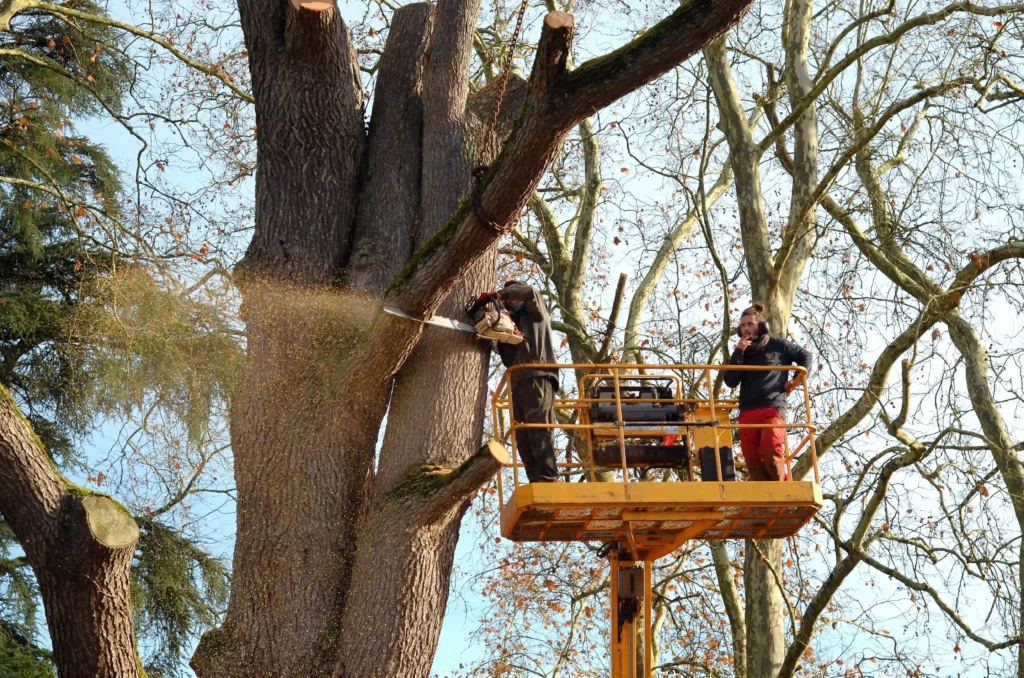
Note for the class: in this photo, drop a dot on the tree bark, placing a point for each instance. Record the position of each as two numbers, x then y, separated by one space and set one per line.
744 158
403 568
309 113
302 454
389 202
733 606
80 545
432 431
766 646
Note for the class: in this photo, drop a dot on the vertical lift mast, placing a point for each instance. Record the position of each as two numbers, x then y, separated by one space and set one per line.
630 589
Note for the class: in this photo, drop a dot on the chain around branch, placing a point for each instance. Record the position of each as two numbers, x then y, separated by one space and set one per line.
508 66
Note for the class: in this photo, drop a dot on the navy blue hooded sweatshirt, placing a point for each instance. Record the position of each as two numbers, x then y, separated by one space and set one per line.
765 388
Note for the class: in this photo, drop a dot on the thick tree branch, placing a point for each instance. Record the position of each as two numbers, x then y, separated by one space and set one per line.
446 79
599 82
394 150
982 261
32 488
558 255
481 103
309 31
613 318
901 418
975 354
309 106
965 338
570 285
436 266
586 215
972 348
80 546
434 491
798 241
743 157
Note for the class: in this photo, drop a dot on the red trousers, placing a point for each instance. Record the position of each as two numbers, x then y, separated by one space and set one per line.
764 448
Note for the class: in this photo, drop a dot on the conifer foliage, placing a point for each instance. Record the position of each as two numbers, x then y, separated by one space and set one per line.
88 327
54 184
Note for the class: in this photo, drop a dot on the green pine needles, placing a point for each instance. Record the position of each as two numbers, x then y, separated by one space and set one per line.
178 591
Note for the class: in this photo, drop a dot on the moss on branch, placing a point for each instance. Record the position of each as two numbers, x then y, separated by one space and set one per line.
71 488
428 480
6 396
435 244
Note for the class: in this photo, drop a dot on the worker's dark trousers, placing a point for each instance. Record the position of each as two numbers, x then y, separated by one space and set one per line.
533 402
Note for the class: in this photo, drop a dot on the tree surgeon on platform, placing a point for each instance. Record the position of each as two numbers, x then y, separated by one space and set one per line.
533 390
763 393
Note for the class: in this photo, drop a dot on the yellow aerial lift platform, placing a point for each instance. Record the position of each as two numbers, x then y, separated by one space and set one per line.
656 518
630 421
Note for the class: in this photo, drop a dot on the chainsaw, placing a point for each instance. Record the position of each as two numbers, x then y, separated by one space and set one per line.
490 321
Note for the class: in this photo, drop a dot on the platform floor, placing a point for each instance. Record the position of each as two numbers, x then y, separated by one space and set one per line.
656 517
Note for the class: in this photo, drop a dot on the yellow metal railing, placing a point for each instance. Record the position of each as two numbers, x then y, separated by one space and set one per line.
717 409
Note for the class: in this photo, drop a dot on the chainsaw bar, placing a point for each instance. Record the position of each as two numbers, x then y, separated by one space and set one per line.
441 321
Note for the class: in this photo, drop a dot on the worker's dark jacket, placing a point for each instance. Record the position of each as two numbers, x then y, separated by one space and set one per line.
534 323
765 389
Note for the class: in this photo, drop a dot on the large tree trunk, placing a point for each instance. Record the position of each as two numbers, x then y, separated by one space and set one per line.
765 648
773 280
80 546
302 449
436 414
342 566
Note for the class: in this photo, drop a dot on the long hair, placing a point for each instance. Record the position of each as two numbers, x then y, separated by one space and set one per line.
757 310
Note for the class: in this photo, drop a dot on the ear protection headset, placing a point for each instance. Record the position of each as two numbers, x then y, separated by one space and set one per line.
762 327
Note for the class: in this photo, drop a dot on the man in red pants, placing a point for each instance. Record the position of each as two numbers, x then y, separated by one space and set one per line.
763 393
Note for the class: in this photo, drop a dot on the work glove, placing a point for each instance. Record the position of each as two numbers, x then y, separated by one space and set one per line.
487 296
